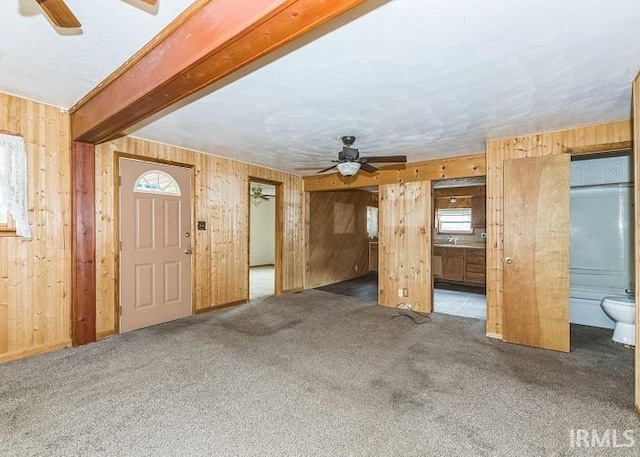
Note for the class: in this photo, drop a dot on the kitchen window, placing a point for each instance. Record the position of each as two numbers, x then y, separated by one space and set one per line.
454 221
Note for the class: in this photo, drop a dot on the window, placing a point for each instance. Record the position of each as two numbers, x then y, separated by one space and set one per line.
156 182
13 187
4 198
454 220
372 222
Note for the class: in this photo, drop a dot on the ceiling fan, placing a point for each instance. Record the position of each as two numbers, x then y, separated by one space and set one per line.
349 159
60 14
258 196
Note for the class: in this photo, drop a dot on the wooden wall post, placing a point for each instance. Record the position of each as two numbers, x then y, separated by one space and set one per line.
83 245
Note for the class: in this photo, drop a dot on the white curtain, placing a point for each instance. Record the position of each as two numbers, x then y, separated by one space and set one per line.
13 182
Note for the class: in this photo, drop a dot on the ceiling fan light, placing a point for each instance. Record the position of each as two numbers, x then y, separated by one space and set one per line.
348 168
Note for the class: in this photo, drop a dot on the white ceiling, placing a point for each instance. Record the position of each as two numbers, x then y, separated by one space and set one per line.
426 78
38 62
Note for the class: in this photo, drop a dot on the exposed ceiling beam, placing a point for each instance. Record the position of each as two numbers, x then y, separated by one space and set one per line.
209 41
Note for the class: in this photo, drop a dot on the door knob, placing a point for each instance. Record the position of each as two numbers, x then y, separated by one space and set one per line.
188 251
508 260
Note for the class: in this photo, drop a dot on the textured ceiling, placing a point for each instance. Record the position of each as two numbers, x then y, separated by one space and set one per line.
426 78
39 62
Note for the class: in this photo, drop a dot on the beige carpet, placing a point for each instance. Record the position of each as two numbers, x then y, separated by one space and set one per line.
315 374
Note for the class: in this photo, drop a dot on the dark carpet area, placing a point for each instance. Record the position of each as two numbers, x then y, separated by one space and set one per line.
364 287
315 374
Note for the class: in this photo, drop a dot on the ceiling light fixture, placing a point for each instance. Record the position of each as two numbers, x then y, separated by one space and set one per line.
256 195
348 168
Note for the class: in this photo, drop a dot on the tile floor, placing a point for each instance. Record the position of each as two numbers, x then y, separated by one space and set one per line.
261 281
457 303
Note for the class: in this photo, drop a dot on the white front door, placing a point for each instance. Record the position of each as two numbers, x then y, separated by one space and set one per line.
155 232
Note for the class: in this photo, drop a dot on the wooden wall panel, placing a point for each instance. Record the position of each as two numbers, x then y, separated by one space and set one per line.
35 274
333 257
405 244
221 189
543 144
443 168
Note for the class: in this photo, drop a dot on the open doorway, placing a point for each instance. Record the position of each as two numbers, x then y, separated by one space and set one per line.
343 242
262 239
459 247
602 258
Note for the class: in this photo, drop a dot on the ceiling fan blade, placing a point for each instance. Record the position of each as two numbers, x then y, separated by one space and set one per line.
329 168
150 2
368 168
386 159
59 13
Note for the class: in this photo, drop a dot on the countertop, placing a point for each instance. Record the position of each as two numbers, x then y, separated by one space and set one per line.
467 245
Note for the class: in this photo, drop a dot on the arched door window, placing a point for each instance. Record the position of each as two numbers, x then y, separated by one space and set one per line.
156 182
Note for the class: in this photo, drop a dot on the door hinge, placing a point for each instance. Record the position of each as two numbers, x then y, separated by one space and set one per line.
119 180
120 309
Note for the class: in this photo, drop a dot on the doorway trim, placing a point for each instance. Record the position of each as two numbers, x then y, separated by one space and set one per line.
277 267
432 228
116 220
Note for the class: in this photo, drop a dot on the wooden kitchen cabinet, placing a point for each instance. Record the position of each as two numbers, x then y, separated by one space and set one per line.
453 267
479 212
459 264
437 261
475 266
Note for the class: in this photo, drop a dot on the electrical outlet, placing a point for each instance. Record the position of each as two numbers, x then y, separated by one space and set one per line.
405 292
399 293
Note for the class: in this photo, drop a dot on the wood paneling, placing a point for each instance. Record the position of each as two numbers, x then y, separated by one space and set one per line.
536 247
543 144
470 191
454 167
446 203
405 245
35 274
636 161
208 42
83 247
222 201
338 244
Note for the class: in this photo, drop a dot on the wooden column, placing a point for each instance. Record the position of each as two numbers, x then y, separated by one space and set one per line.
83 244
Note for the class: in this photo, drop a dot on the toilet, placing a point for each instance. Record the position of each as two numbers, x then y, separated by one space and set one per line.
622 310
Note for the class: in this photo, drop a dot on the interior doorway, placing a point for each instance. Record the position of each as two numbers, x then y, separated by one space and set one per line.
459 247
342 252
602 233
263 204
